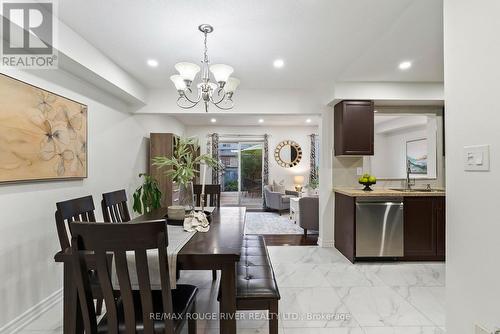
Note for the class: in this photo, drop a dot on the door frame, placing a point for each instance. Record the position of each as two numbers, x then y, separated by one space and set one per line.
239 143
261 170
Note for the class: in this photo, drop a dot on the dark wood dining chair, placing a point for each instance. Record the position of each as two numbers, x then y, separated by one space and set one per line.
77 209
114 207
135 311
212 193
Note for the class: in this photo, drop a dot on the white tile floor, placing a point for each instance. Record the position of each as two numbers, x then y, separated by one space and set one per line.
392 298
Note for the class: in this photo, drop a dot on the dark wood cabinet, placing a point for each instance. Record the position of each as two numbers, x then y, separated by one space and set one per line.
354 127
162 144
420 227
345 225
424 228
441 227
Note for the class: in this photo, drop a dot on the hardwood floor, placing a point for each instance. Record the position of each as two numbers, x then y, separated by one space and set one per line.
255 209
290 239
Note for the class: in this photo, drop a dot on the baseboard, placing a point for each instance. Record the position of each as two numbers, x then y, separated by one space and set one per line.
325 243
21 321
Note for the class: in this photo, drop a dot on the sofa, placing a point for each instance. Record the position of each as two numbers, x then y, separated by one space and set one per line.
276 200
309 213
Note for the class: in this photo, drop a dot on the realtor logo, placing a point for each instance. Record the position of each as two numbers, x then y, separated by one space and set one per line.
28 31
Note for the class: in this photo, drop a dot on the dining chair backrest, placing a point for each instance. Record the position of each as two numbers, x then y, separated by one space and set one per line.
77 209
114 207
121 240
212 193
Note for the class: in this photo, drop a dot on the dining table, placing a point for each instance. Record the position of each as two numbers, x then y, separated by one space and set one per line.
217 249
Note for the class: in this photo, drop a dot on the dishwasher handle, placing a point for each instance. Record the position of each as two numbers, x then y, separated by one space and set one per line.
379 203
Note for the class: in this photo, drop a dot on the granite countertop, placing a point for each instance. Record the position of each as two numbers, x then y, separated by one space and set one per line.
378 192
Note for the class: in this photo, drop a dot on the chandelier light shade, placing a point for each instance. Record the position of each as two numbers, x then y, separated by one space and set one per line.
218 92
221 73
231 85
187 71
179 82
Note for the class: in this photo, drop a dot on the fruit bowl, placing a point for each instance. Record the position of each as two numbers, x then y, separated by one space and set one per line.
367 180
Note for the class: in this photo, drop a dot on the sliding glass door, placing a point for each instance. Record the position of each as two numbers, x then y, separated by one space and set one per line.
251 174
241 180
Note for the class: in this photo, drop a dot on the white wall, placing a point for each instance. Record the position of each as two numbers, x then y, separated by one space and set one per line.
389 160
472 73
326 166
117 148
386 161
276 135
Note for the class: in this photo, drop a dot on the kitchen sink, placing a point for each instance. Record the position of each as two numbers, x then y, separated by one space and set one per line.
415 190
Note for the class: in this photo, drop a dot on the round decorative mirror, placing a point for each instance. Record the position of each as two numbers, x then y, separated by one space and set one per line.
288 154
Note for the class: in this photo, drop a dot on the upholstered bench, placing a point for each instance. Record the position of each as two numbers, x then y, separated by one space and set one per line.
256 287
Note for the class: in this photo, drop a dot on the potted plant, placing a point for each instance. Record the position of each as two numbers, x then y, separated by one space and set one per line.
147 197
313 186
183 167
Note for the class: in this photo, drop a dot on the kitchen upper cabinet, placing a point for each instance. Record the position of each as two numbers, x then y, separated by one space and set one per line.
354 127
424 228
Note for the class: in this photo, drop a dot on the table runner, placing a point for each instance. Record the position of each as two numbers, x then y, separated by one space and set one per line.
177 238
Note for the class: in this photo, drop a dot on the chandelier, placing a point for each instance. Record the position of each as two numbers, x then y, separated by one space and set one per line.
219 93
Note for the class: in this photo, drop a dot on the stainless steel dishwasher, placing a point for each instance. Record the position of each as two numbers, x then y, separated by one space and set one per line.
379 227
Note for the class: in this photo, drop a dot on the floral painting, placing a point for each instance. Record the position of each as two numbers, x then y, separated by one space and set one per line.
416 155
43 136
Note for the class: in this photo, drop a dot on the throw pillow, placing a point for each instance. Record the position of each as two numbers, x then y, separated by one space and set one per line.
279 187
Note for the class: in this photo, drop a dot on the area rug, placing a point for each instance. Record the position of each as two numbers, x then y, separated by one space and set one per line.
270 223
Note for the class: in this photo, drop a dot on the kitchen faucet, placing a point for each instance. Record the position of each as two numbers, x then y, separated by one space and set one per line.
408 172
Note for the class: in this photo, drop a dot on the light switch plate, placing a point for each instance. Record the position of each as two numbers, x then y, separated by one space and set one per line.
359 171
477 158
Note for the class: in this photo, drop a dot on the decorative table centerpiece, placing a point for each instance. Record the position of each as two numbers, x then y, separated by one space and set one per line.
367 180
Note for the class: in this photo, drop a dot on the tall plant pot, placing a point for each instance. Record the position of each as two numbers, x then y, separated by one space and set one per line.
186 196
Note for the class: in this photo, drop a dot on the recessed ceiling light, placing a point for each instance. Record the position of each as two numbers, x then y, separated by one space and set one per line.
404 65
375 111
213 120
308 120
279 63
152 62
261 120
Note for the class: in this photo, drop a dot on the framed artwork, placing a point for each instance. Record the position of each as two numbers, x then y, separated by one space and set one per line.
416 155
43 136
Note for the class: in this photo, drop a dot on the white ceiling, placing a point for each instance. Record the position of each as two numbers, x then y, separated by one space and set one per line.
247 120
320 40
